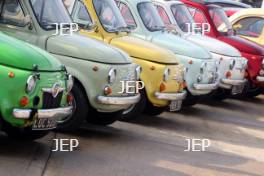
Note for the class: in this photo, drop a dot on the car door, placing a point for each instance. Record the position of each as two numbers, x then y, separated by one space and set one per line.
14 21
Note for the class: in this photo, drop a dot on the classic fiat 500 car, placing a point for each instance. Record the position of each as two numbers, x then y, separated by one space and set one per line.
249 24
204 12
161 72
34 90
97 68
201 75
232 66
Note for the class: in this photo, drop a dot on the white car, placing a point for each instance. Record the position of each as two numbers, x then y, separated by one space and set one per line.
232 65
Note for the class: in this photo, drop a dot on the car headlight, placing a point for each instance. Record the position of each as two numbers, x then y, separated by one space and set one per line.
31 84
166 74
199 78
245 64
138 72
203 67
232 64
69 83
112 76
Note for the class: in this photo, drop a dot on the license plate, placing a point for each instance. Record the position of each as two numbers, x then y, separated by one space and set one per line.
175 105
237 89
44 124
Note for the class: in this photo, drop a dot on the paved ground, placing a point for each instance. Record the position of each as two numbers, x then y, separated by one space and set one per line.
152 146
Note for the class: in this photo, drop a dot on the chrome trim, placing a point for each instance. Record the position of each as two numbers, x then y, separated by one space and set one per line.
233 82
260 78
43 113
205 86
50 90
118 100
170 96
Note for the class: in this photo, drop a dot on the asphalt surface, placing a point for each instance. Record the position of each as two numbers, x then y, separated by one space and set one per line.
152 146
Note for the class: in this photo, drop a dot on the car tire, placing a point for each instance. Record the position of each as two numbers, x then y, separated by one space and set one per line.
220 94
251 91
136 110
80 110
190 100
25 134
154 110
102 119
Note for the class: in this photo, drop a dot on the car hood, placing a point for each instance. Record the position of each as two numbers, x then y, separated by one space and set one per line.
144 50
243 45
18 54
179 45
213 45
82 47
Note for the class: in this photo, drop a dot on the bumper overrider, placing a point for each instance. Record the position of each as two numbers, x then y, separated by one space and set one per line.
56 113
128 100
260 79
170 96
234 82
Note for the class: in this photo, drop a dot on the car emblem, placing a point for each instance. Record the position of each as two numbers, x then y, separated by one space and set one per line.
56 89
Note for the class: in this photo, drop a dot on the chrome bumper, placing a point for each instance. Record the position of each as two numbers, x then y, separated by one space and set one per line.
43 113
118 100
206 86
260 78
170 96
233 82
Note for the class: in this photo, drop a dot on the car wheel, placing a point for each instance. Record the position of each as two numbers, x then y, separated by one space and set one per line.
134 111
100 118
153 110
80 110
221 94
26 134
251 90
190 100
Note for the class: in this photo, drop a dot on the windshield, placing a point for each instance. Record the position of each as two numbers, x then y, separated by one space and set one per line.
220 20
182 17
109 15
150 16
49 12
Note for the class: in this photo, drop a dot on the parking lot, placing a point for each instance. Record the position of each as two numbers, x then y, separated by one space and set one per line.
152 146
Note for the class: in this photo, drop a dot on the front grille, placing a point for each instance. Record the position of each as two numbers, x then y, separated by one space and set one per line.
49 102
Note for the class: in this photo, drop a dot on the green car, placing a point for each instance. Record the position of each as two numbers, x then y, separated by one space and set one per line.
34 90
98 68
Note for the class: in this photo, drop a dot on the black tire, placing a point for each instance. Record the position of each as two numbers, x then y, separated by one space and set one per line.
136 110
80 110
221 94
25 134
154 110
190 100
103 119
251 91
254 92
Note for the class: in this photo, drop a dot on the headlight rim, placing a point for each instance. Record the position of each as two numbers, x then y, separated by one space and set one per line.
112 75
166 74
31 77
138 71
69 82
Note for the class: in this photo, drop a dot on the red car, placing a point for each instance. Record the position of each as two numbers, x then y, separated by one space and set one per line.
204 11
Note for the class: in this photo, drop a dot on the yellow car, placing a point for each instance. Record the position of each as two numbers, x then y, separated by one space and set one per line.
249 24
162 74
